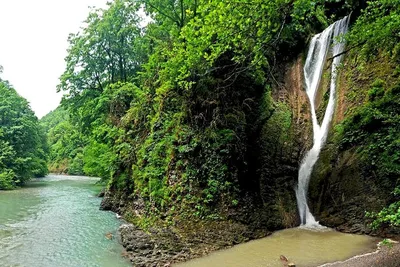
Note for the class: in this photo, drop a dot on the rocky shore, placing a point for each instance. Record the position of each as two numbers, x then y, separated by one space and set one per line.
165 246
385 256
162 246
186 239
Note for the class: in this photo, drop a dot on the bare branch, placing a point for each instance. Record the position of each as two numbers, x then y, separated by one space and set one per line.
348 50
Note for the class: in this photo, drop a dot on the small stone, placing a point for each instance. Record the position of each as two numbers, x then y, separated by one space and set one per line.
109 236
283 258
102 193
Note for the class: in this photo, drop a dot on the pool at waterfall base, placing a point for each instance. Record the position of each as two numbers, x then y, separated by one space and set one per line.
304 247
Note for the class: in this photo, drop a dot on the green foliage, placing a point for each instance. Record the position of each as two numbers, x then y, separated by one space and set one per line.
378 29
23 146
74 153
276 131
386 242
98 160
101 59
76 166
7 179
53 118
104 52
205 89
170 12
66 143
389 215
374 127
173 113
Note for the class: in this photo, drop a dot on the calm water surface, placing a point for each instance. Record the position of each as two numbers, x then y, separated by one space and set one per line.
301 246
56 222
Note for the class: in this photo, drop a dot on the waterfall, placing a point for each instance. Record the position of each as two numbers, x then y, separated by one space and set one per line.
313 68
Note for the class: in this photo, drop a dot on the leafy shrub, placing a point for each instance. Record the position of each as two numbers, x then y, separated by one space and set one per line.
7 179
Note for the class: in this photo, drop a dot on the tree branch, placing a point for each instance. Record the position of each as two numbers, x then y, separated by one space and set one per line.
162 13
348 50
182 14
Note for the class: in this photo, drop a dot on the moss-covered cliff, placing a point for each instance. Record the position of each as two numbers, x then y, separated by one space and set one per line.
230 149
351 178
202 114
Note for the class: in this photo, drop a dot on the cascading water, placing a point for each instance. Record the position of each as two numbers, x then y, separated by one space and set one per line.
316 59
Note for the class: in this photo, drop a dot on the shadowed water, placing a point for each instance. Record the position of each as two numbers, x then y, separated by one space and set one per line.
304 247
56 221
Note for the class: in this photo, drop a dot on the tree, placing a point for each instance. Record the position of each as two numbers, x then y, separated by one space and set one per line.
104 52
22 141
178 12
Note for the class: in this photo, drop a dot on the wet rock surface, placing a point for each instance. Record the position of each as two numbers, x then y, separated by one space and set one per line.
102 193
112 202
167 245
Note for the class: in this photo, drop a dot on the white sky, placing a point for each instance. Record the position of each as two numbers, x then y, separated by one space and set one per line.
33 44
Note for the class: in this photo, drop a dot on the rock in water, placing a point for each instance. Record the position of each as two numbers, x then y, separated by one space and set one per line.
286 262
102 193
283 258
109 236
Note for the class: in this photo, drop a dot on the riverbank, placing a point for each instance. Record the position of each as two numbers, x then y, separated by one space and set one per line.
165 246
183 240
171 245
55 221
387 256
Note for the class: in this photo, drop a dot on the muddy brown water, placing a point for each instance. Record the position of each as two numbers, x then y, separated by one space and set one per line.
304 247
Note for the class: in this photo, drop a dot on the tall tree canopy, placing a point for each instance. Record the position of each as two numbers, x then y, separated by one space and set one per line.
23 146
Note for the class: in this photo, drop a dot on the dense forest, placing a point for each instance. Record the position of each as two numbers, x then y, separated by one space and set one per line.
23 146
184 115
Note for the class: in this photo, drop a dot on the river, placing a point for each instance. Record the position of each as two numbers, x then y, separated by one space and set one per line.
56 221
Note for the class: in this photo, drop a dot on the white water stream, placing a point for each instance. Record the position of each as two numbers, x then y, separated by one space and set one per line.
313 69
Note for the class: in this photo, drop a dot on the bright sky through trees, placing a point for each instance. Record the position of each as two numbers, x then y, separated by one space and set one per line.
33 45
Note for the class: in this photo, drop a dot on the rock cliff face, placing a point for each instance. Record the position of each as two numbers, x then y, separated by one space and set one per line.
343 187
284 140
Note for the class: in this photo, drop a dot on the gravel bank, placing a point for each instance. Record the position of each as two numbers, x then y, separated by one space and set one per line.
383 257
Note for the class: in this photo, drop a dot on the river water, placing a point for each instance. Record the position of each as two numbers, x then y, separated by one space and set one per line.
56 221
